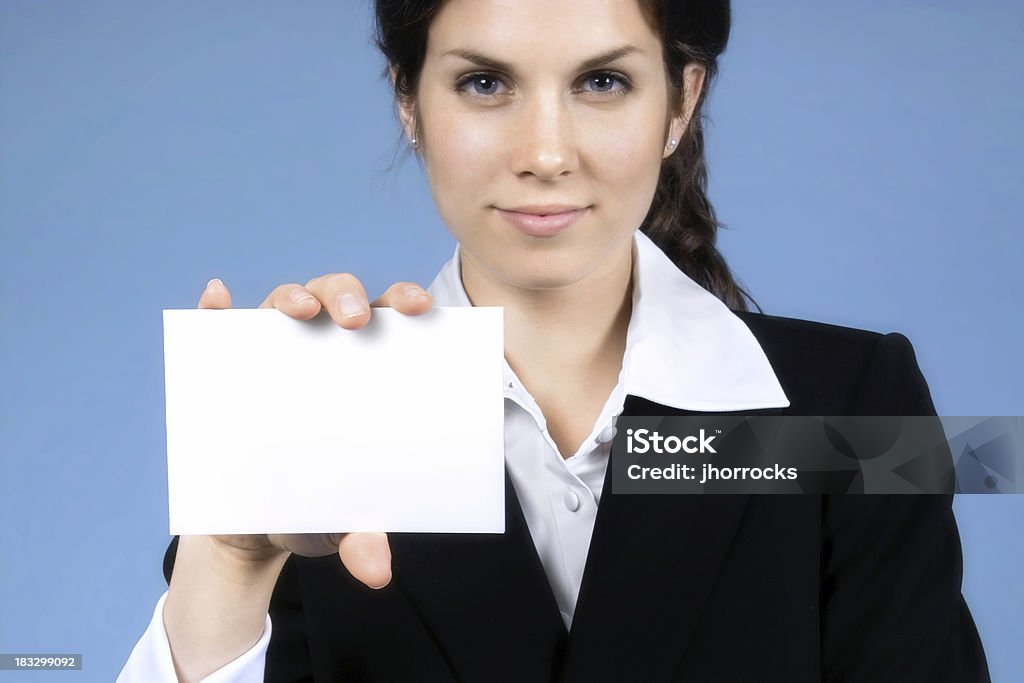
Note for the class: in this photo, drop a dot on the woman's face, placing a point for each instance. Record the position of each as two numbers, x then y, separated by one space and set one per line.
524 104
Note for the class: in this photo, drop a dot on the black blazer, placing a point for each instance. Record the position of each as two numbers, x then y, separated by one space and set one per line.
676 588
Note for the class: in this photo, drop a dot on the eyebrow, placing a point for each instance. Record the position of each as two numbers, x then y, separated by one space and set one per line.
498 65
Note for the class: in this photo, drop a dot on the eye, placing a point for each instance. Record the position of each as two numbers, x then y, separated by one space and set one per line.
604 83
483 85
479 85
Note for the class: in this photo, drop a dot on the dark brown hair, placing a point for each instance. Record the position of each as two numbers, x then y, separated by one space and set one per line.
681 220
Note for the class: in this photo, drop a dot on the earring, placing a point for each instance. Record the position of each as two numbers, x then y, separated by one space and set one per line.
672 143
414 143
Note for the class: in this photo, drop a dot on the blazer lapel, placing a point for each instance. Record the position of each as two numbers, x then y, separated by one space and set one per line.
485 598
652 562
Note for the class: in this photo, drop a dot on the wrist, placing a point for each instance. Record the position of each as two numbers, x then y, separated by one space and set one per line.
216 604
244 564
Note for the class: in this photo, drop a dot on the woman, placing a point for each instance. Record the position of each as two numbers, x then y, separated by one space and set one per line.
550 132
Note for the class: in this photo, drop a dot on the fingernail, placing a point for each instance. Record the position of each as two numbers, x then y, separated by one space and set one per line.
350 306
412 292
214 281
298 296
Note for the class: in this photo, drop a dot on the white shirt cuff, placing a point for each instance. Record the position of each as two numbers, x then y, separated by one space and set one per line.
150 661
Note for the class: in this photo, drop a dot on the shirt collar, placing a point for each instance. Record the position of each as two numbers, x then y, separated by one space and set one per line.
684 347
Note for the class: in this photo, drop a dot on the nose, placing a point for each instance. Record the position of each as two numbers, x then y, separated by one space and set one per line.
544 144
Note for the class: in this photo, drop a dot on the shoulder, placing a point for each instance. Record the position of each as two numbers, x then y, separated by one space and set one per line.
789 341
831 369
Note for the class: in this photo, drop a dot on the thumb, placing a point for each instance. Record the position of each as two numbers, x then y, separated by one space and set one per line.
367 556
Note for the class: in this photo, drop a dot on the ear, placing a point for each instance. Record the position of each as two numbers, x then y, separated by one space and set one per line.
406 113
693 84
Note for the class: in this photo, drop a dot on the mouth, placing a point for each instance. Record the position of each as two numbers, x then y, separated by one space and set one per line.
542 221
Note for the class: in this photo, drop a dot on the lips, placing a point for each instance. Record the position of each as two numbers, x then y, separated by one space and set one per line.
542 221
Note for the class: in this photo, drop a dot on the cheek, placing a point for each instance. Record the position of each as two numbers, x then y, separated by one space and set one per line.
627 158
460 165
626 161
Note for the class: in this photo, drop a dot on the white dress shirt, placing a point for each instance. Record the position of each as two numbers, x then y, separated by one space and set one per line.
684 349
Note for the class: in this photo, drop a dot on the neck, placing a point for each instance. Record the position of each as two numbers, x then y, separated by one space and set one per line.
553 334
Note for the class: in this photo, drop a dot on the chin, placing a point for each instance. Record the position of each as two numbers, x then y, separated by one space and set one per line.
542 272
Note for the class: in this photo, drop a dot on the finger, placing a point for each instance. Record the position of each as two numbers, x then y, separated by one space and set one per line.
405 297
343 296
293 300
306 545
216 295
367 556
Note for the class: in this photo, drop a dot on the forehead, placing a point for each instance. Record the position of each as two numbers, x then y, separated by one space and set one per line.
520 29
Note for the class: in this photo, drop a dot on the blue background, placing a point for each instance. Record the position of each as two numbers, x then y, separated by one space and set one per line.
866 156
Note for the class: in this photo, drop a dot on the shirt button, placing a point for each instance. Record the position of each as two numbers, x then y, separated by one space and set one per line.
607 434
571 500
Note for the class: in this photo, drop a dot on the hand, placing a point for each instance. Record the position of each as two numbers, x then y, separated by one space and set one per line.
367 556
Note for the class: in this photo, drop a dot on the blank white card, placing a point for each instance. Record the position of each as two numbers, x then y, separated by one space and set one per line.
277 425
